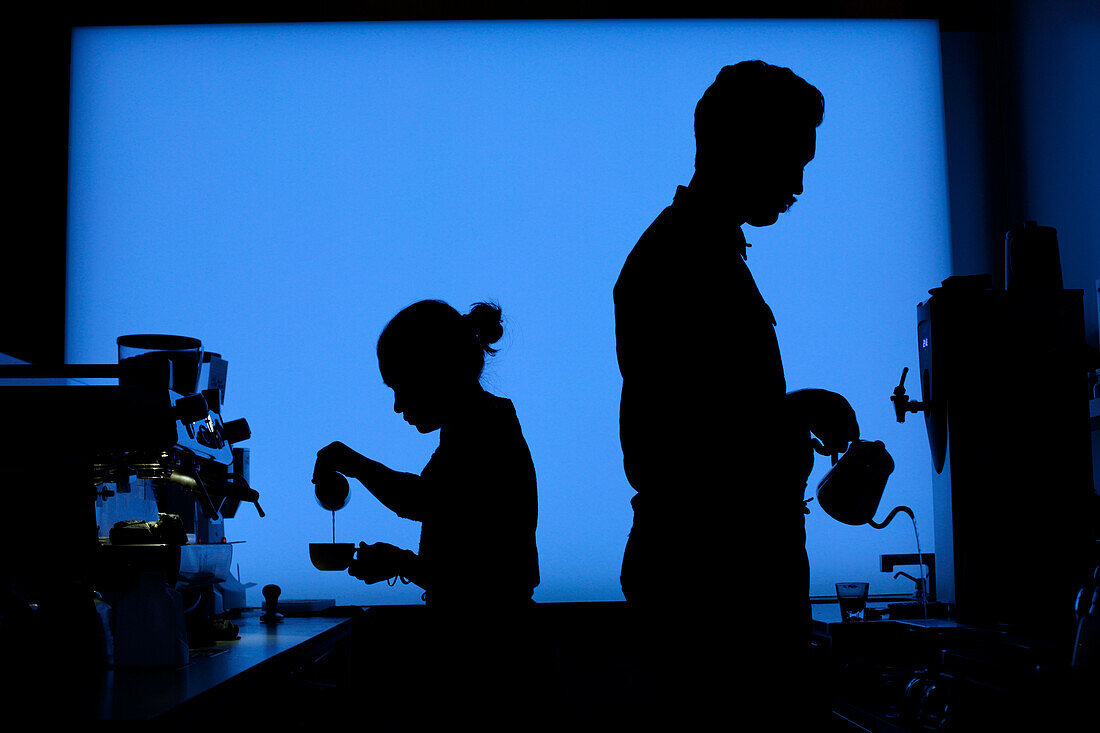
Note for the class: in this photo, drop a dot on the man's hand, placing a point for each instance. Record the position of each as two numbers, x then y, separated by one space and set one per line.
380 561
336 457
828 416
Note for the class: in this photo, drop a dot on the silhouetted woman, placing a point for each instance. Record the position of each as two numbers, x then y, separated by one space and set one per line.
469 658
476 499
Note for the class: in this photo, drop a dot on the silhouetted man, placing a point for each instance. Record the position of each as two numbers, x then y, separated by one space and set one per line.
715 448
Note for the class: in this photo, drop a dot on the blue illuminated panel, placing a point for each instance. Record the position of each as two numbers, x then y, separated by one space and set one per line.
280 191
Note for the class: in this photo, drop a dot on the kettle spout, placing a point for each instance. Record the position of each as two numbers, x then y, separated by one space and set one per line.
889 517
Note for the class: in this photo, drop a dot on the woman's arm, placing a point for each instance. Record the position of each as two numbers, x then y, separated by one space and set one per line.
400 492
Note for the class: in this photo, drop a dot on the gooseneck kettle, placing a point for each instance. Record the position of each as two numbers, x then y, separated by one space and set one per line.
852 489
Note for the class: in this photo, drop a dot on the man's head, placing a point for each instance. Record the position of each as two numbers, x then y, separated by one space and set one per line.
754 133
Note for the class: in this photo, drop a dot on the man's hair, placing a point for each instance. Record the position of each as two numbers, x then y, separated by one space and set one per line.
751 100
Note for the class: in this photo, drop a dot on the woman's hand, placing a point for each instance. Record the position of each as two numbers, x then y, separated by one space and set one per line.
380 561
337 457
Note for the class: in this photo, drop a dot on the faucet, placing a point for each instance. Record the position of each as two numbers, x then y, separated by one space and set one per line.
928 559
918 581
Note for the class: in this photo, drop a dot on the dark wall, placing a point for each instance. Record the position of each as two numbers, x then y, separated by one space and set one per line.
1022 97
984 195
1056 49
32 283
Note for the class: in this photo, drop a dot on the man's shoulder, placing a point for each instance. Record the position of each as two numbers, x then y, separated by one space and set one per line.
654 251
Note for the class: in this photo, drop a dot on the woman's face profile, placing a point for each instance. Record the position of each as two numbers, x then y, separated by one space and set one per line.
426 380
423 391
418 401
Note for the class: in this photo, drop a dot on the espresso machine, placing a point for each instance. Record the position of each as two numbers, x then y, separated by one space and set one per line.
114 491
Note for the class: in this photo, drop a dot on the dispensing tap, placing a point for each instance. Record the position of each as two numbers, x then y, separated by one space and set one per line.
918 581
902 403
927 559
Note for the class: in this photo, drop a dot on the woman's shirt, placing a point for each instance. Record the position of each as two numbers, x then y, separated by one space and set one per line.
479 509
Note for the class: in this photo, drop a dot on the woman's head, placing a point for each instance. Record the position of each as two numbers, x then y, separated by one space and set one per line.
431 355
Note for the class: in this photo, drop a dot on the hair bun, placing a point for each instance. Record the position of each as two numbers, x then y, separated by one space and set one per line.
485 321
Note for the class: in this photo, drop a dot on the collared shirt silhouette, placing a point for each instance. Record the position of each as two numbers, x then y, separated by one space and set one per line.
715 448
707 438
692 333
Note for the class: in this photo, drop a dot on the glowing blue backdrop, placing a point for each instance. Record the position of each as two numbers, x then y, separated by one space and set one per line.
280 191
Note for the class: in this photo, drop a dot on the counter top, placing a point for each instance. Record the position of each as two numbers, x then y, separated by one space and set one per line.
825 614
261 650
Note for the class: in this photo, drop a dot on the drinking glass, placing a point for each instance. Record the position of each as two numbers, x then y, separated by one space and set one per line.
852 598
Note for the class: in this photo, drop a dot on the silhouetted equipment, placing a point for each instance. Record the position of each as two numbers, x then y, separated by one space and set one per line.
902 403
851 491
182 354
1032 262
925 561
331 555
133 482
1004 390
1086 643
271 613
331 490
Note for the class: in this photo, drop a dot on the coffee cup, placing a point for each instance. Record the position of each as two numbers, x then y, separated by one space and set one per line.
331 555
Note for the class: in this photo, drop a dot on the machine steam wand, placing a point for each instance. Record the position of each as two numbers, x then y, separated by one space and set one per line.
193 484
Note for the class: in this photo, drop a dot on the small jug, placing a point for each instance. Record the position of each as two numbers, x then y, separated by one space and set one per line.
331 490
